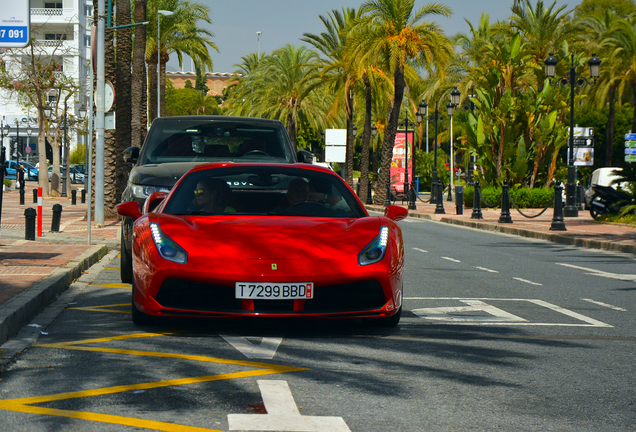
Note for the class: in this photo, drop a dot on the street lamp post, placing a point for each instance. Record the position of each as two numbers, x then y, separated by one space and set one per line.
167 14
29 131
406 156
422 111
48 111
594 63
450 109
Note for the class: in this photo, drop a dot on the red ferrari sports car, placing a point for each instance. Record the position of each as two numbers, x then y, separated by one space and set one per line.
237 240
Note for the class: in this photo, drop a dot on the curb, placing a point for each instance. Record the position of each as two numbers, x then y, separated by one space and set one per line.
18 311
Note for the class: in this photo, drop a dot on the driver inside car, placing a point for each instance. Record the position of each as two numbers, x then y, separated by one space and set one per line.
297 191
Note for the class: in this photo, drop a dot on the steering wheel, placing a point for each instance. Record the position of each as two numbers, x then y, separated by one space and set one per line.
256 152
299 203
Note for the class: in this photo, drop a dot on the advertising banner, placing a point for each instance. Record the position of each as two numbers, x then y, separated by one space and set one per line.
399 163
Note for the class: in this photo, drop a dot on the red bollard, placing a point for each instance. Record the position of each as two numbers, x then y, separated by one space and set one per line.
39 212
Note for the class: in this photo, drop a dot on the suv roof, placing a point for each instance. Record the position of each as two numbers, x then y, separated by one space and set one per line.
216 138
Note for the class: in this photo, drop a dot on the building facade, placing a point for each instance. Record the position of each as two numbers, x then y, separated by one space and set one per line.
61 30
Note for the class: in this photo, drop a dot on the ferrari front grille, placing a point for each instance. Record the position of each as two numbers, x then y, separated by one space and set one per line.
197 296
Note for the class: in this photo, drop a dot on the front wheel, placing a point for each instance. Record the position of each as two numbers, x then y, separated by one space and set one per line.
125 266
391 321
138 317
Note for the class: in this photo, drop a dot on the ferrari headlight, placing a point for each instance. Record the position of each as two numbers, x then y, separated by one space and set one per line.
375 251
143 192
167 248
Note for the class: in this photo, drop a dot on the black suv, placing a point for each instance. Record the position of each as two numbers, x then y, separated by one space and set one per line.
175 144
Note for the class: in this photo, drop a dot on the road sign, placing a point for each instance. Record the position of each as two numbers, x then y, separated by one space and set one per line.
15 24
28 149
630 143
630 158
630 151
630 137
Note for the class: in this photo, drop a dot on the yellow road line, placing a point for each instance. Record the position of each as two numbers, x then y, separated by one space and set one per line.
105 308
25 405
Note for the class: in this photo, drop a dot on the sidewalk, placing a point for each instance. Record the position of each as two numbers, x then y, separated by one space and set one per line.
33 273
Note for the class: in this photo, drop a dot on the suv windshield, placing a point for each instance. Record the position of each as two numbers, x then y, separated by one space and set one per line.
192 140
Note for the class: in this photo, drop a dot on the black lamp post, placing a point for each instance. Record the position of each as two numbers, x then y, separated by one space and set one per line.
48 112
450 109
421 113
406 155
570 209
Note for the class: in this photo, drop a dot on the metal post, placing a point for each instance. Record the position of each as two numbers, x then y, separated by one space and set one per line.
450 188
439 208
29 223
64 154
369 195
505 204
434 186
99 119
477 214
570 209
387 200
406 157
558 223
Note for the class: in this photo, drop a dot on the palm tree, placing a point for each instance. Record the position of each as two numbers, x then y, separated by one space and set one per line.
338 72
123 102
392 29
180 34
139 96
285 90
204 103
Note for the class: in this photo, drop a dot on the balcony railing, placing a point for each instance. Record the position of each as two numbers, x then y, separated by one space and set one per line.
47 11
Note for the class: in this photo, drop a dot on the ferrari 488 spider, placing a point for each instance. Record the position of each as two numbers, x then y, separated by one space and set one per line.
236 240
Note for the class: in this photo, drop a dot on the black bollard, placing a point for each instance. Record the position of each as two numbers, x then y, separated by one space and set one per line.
35 196
505 204
29 223
73 197
433 199
459 199
369 195
387 200
84 197
580 196
558 223
477 214
439 200
57 215
21 196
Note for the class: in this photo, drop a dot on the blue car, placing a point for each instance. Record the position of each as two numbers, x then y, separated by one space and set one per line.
30 173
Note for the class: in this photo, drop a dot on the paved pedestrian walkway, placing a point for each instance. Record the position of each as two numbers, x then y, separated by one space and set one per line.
33 273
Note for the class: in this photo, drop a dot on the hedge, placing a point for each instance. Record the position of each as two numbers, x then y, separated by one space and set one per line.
522 197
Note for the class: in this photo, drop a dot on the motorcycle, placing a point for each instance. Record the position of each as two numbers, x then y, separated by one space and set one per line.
606 200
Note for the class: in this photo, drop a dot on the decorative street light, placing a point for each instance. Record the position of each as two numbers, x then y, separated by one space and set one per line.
167 14
570 209
450 109
48 111
422 112
406 156
29 131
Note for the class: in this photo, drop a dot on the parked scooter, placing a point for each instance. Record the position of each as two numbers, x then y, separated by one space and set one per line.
606 199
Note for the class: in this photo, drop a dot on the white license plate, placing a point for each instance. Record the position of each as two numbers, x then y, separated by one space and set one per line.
274 291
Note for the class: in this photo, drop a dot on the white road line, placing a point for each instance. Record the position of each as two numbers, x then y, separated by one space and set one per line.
605 305
594 272
486 269
451 259
265 350
527 281
420 250
282 414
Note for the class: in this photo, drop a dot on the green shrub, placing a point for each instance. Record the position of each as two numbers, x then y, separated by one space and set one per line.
7 183
522 197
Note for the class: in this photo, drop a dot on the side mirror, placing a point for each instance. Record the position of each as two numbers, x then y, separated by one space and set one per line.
129 209
395 213
154 200
131 154
304 156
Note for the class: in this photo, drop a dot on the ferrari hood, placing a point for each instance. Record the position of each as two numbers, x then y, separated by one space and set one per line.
255 237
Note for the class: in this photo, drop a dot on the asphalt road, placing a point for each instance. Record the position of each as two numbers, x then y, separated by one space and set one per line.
498 333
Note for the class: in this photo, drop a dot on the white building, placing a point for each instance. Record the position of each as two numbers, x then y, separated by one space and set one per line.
60 29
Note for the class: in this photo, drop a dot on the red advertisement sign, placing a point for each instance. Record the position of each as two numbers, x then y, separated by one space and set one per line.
399 163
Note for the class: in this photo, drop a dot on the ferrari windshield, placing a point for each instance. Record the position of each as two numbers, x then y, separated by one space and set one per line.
263 190
176 139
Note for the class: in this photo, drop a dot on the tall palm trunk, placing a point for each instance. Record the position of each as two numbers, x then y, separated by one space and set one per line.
111 154
151 68
609 133
350 149
139 117
291 130
366 139
389 136
123 104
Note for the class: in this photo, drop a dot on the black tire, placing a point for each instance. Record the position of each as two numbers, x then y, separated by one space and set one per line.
125 268
594 212
138 317
391 321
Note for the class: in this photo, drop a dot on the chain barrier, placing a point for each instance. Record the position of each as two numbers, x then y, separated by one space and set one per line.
488 204
525 215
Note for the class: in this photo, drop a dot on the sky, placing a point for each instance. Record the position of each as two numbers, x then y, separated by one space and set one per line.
235 23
